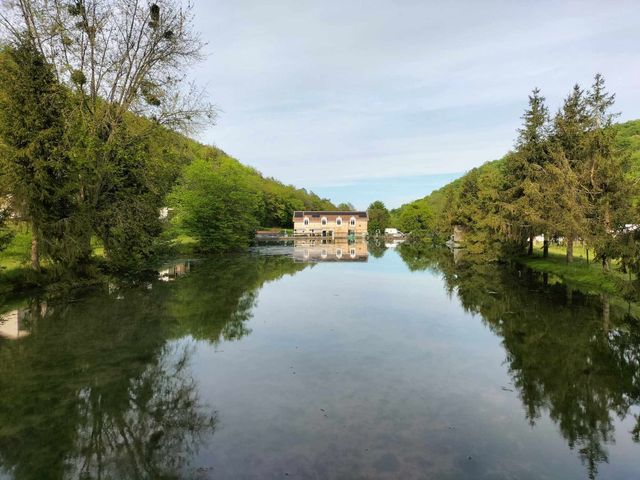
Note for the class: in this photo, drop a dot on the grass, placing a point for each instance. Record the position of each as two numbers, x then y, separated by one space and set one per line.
16 255
184 244
14 262
580 274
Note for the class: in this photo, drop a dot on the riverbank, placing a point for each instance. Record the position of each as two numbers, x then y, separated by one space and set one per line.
585 276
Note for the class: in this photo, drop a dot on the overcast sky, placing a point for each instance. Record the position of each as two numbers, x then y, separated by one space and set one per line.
390 99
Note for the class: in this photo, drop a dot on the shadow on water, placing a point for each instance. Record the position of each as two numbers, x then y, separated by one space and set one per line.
101 387
572 356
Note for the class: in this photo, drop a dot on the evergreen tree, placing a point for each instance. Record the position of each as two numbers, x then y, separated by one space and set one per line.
567 169
479 212
525 206
605 177
37 175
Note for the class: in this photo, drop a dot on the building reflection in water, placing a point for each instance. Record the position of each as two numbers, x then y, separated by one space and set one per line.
311 250
13 325
170 272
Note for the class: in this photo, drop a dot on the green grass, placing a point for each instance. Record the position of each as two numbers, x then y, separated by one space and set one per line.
14 262
16 255
184 244
580 274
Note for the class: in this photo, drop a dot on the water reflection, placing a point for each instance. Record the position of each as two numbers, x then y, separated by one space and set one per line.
101 386
310 250
126 382
13 324
173 270
573 357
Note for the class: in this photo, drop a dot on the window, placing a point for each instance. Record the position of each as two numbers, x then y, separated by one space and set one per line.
352 222
323 221
306 221
338 221
352 253
338 253
323 254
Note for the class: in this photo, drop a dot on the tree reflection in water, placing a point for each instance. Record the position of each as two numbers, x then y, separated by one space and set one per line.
572 356
101 385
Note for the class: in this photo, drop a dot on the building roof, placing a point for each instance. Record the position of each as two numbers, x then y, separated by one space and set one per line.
325 213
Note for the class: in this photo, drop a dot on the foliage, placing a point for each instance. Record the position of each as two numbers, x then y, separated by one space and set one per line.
416 217
216 204
573 176
84 148
379 217
345 206
117 395
80 86
38 177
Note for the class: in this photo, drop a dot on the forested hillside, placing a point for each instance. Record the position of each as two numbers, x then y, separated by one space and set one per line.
276 201
435 213
84 169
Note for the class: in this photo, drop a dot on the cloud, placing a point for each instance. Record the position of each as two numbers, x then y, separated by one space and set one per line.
319 93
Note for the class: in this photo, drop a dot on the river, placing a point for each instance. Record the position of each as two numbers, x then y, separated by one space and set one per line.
322 361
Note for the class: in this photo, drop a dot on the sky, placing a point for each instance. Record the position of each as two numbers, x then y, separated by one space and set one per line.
367 100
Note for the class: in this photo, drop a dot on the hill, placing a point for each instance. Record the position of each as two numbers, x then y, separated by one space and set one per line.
277 200
430 213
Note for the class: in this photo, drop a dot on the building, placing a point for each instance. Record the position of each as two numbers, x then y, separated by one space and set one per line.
311 250
330 224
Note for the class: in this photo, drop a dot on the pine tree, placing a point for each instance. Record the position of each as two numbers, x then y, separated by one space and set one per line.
568 148
605 175
35 171
525 205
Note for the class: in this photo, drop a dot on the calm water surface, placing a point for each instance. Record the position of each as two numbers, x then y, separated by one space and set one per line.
321 362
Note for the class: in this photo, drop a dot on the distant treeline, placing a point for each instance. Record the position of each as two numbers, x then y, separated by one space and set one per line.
572 175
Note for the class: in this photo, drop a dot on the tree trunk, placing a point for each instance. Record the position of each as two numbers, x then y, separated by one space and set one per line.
545 246
35 250
606 309
530 250
570 248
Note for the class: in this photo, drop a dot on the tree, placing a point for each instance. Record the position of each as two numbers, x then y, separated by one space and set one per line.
114 58
478 211
37 176
417 217
348 207
568 151
605 177
215 203
526 206
378 217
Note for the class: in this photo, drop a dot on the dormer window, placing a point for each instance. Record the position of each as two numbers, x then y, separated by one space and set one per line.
323 221
352 222
338 221
306 221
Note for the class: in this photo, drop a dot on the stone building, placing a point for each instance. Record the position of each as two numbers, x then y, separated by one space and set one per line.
330 224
